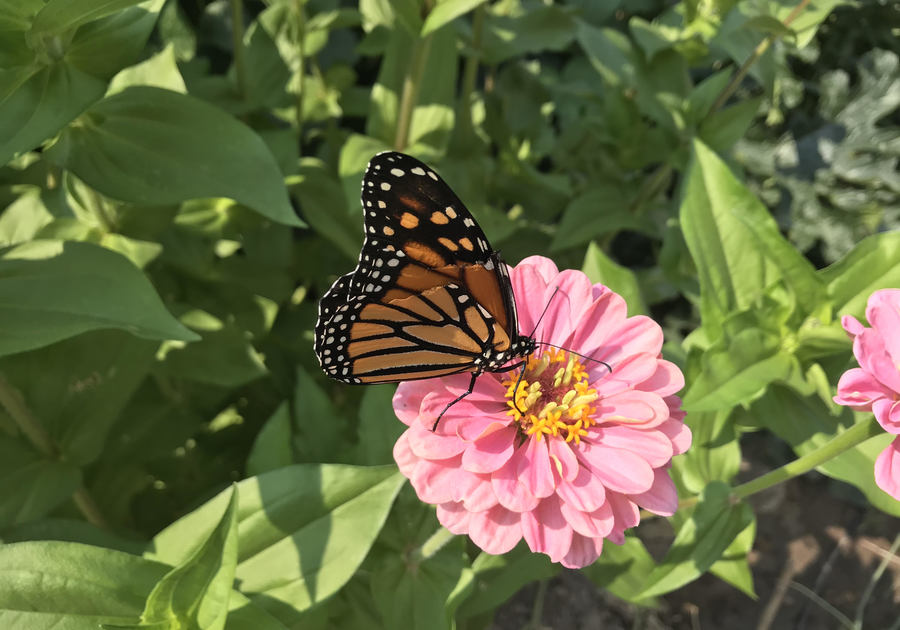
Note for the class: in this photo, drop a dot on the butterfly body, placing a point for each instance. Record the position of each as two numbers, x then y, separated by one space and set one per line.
428 298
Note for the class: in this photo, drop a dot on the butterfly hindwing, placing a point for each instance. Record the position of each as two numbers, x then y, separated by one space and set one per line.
429 297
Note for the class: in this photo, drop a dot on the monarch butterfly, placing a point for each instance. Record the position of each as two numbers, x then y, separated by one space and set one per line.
429 296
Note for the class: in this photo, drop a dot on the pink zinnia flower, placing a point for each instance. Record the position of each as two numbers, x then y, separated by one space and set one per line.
591 448
875 385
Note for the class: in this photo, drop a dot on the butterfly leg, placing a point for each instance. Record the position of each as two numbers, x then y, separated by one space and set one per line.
456 400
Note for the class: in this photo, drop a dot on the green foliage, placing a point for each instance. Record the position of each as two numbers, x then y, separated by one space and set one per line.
179 185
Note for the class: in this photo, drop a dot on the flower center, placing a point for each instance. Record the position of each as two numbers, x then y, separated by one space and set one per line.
553 397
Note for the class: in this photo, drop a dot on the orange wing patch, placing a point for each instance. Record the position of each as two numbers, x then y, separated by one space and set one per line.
482 283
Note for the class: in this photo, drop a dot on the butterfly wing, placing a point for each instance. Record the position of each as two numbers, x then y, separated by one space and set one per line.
429 296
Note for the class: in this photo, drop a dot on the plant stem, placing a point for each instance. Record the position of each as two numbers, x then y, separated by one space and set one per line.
537 611
300 69
858 433
98 209
237 43
431 546
88 507
470 75
410 95
758 52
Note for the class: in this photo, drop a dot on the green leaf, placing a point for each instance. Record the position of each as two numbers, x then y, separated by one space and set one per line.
224 357
58 16
71 585
272 447
733 566
721 129
873 264
22 219
739 372
700 541
415 596
160 70
154 147
602 209
379 427
33 485
623 569
806 423
355 154
196 592
600 268
75 280
323 205
531 31
717 456
39 102
79 387
735 243
302 531
319 430
501 577
447 11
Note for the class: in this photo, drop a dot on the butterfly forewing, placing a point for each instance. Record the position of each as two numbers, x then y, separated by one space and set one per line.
429 297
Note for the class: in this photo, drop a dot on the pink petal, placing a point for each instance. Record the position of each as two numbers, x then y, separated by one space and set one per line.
627 374
529 279
454 517
582 552
618 469
496 530
605 315
653 446
678 433
852 325
626 514
408 399
441 481
534 470
584 493
883 313
563 459
491 450
480 496
596 524
633 407
635 334
858 389
887 412
869 349
567 297
887 469
661 498
667 379
546 531
428 445
406 460
510 493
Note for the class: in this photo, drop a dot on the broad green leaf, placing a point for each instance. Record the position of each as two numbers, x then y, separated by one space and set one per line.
75 281
717 452
355 155
733 566
69 582
379 427
319 431
738 372
807 21
303 531
623 569
272 447
196 593
531 31
160 70
78 387
415 596
39 101
501 577
873 264
151 146
602 209
22 219
394 14
600 268
323 204
721 129
447 11
70 530
16 15
33 485
735 243
700 541
58 16
224 357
